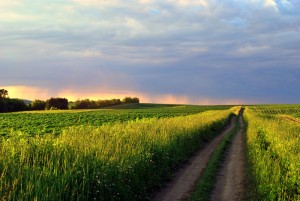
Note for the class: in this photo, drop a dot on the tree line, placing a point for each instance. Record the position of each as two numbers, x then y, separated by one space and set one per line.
92 104
12 105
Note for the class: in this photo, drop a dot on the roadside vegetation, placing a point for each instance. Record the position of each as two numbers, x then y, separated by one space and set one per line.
273 153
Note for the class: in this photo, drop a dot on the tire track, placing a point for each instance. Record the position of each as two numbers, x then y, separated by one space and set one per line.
186 177
230 183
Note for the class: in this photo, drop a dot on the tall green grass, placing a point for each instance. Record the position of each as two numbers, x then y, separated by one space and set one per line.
124 161
273 155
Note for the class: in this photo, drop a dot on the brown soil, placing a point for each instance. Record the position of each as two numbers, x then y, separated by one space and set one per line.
185 178
230 179
291 119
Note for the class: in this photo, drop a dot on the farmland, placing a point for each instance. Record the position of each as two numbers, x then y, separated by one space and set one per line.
41 122
127 152
86 158
276 109
273 148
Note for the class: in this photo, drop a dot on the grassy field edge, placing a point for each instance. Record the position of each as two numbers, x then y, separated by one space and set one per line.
272 157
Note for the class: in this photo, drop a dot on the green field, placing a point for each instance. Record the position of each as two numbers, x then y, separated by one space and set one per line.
273 151
126 152
276 109
42 122
116 154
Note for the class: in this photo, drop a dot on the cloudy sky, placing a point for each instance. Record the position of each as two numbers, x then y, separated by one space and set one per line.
172 51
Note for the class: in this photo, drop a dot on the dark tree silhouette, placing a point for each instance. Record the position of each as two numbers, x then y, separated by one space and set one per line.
38 105
57 103
91 104
3 93
131 100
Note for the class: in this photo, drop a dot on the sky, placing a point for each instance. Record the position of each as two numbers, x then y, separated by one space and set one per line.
162 51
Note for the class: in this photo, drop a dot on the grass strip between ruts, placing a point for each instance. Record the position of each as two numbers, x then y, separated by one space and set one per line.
207 179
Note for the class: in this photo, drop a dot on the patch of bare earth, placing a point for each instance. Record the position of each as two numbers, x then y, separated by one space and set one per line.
185 178
291 119
230 183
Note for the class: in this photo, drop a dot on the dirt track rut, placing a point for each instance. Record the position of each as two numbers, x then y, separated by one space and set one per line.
230 179
185 179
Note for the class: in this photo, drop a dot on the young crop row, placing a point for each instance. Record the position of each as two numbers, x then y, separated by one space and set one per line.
38 123
276 109
273 148
123 161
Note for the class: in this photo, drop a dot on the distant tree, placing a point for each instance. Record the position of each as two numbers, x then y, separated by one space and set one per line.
107 103
16 105
116 101
58 103
3 93
91 104
135 100
38 105
12 105
3 105
131 100
82 104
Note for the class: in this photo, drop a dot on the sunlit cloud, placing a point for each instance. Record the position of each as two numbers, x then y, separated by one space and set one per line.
183 99
27 92
271 3
34 93
97 2
42 93
190 2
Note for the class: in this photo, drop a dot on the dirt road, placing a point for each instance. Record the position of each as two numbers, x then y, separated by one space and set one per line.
185 179
230 179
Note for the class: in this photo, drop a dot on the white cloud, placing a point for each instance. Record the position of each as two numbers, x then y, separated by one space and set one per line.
15 17
9 3
271 3
145 1
83 53
134 26
190 2
96 2
250 49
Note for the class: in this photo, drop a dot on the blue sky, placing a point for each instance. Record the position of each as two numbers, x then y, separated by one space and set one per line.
184 51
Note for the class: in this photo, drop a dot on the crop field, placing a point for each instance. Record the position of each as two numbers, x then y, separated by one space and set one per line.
42 122
127 152
100 154
277 109
273 152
